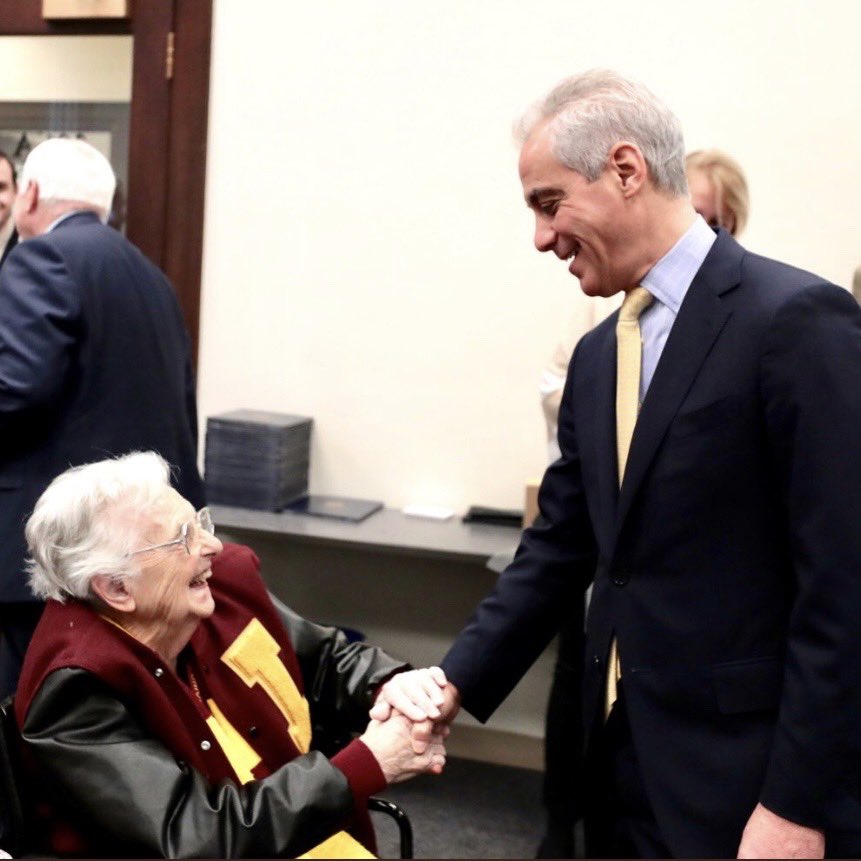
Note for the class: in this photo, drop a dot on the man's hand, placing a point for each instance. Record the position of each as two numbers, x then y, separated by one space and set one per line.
423 696
768 835
416 694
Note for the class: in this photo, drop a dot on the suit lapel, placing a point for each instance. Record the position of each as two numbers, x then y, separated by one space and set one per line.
697 326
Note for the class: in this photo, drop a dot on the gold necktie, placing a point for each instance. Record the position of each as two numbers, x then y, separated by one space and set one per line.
629 360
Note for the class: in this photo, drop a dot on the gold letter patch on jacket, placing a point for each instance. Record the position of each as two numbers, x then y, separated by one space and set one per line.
253 656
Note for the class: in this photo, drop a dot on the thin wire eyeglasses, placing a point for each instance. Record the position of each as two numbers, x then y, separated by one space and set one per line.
203 519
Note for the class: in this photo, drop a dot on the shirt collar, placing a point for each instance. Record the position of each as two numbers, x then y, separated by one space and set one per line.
69 214
669 279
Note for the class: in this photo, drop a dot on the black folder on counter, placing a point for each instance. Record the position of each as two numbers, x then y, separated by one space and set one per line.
338 507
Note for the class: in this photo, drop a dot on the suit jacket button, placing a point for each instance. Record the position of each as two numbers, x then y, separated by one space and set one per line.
205 745
596 659
621 578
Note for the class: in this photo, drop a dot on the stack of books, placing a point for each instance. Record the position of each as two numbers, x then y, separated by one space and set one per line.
257 459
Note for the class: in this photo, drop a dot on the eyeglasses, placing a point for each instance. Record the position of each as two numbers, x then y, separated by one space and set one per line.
203 520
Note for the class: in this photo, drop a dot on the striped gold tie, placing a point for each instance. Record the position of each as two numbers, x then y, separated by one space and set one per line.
629 361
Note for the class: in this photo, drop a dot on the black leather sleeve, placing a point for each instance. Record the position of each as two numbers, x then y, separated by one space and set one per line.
98 763
340 677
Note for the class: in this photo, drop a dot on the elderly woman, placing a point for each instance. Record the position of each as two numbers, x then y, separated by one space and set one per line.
169 706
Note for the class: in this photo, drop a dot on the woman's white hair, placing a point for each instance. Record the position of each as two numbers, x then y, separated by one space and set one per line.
591 112
69 170
87 522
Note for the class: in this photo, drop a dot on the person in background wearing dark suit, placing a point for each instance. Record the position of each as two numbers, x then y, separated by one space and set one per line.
94 359
709 486
8 189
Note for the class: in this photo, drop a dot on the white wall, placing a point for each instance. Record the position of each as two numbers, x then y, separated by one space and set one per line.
368 256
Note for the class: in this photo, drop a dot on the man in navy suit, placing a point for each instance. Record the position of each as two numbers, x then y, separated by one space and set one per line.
8 189
726 558
94 359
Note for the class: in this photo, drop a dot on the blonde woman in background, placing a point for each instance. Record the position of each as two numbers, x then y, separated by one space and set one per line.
718 189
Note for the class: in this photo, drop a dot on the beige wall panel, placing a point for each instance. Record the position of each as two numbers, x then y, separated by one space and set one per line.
368 256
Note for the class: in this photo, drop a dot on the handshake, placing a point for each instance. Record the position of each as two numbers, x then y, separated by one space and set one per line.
410 723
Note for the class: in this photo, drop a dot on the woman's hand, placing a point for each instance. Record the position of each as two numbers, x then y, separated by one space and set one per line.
391 742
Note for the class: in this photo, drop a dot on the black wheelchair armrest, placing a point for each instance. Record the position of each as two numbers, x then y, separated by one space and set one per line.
405 829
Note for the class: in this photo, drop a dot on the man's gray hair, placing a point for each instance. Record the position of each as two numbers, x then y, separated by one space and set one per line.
87 522
591 112
70 171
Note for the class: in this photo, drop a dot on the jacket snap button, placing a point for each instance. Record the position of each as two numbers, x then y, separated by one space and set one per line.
205 745
159 672
621 579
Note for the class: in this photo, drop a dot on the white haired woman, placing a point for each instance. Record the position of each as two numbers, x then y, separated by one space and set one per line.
163 703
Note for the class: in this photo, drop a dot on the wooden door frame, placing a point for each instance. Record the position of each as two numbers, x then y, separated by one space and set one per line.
167 129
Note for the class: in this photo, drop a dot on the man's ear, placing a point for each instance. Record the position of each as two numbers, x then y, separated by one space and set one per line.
112 592
31 197
629 166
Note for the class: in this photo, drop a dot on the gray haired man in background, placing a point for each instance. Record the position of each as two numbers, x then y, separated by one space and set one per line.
94 359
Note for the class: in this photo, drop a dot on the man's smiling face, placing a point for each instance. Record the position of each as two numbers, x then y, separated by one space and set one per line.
583 222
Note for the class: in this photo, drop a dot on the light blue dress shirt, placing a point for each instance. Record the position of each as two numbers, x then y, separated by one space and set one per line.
668 281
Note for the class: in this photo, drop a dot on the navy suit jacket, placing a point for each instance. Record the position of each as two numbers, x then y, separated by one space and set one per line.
728 565
94 362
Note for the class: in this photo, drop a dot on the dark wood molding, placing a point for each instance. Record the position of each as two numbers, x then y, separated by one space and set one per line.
149 129
189 119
